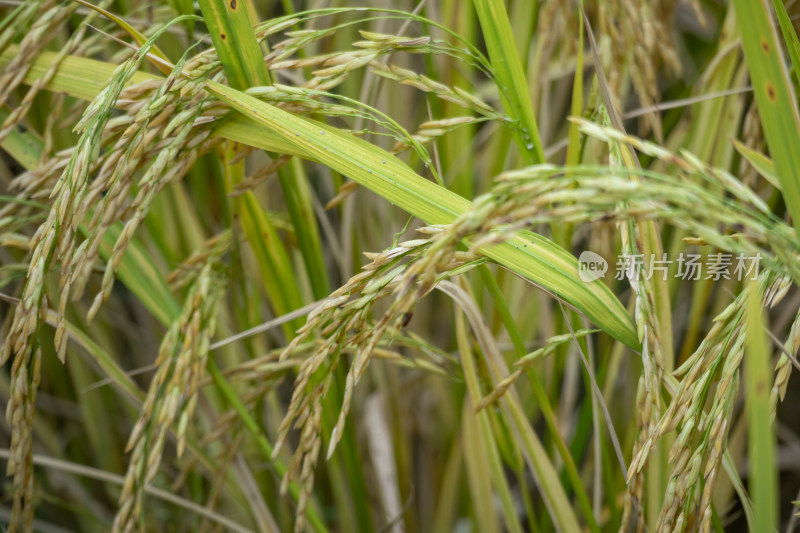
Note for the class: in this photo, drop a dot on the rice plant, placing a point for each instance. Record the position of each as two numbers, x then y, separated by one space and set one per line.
415 266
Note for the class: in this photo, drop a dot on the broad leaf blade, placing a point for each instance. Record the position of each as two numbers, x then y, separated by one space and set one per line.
776 101
763 479
499 38
529 255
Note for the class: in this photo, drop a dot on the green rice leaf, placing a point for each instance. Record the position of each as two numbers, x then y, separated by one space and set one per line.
776 100
23 146
760 162
499 38
232 33
527 254
789 35
763 482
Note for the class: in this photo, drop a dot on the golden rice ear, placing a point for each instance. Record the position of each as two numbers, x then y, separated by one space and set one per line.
172 397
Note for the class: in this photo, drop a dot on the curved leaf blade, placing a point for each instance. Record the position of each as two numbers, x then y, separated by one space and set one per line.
527 254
